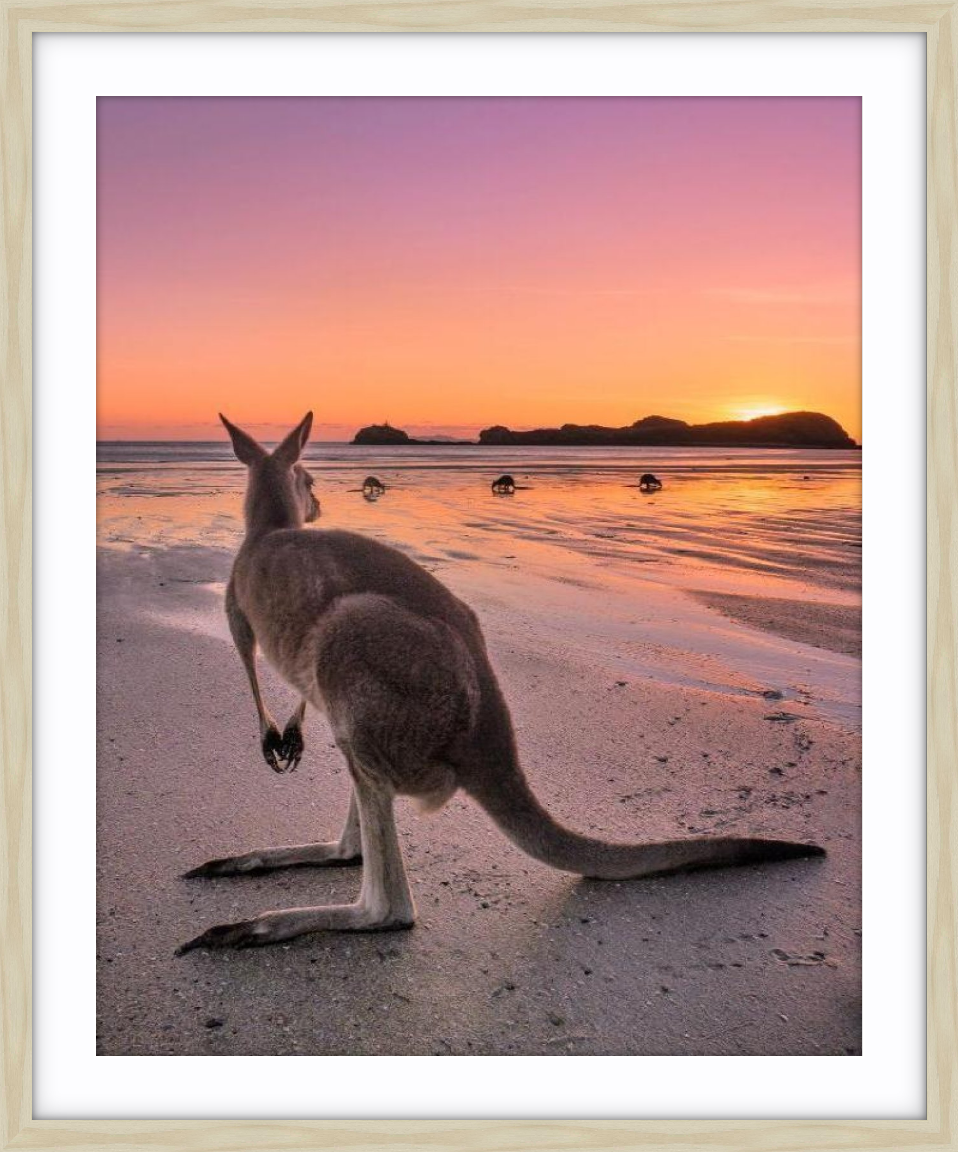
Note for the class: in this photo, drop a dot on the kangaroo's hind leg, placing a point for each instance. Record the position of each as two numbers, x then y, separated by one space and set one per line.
385 892
346 850
385 901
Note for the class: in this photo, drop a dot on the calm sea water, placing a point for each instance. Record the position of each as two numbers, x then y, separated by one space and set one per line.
479 458
785 520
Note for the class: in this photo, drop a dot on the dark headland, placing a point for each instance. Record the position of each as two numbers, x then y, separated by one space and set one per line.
786 430
387 434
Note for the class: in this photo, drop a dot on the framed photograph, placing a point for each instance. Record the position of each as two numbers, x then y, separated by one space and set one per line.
510 453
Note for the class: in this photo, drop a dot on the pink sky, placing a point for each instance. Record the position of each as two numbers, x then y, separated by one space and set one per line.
452 263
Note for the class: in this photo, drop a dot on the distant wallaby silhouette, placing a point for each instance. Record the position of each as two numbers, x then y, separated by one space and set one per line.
399 666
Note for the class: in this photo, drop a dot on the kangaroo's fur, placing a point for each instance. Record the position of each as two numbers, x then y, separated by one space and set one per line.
399 666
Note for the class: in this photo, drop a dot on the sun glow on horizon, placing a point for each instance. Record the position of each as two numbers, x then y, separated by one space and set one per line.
754 411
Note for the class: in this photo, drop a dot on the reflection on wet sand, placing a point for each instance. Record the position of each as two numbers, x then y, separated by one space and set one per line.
786 524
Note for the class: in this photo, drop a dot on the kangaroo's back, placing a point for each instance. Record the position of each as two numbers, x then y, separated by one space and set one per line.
288 579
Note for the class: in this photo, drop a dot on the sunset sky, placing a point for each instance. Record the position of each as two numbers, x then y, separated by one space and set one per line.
448 264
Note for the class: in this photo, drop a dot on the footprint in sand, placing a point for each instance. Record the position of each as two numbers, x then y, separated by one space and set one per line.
811 960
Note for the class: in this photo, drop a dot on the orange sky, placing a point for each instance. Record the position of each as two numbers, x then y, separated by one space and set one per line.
450 264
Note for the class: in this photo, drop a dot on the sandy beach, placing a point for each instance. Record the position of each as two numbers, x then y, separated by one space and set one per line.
686 664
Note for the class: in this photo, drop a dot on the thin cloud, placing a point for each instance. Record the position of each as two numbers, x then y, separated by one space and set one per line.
790 339
527 289
821 295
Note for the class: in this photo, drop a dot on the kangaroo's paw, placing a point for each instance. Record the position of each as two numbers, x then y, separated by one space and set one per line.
292 747
242 934
274 927
272 746
246 865
269 859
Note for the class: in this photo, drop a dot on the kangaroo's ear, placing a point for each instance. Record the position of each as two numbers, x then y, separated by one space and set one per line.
289 451
246 449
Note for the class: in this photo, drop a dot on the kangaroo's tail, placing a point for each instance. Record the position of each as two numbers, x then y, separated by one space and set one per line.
511 803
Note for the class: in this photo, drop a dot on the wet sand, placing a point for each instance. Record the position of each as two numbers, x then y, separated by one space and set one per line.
837 627
638 716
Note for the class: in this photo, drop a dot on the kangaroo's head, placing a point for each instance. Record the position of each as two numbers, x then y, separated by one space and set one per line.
279 490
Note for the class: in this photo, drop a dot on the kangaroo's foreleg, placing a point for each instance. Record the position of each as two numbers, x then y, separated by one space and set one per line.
281 751
293 744
346 850
385 901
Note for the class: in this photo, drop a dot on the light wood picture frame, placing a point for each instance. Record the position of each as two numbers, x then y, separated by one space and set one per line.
20 20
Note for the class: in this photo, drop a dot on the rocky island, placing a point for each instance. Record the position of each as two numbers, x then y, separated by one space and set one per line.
786 430
390 436
382 434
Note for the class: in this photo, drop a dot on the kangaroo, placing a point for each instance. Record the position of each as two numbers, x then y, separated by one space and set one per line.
399 666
